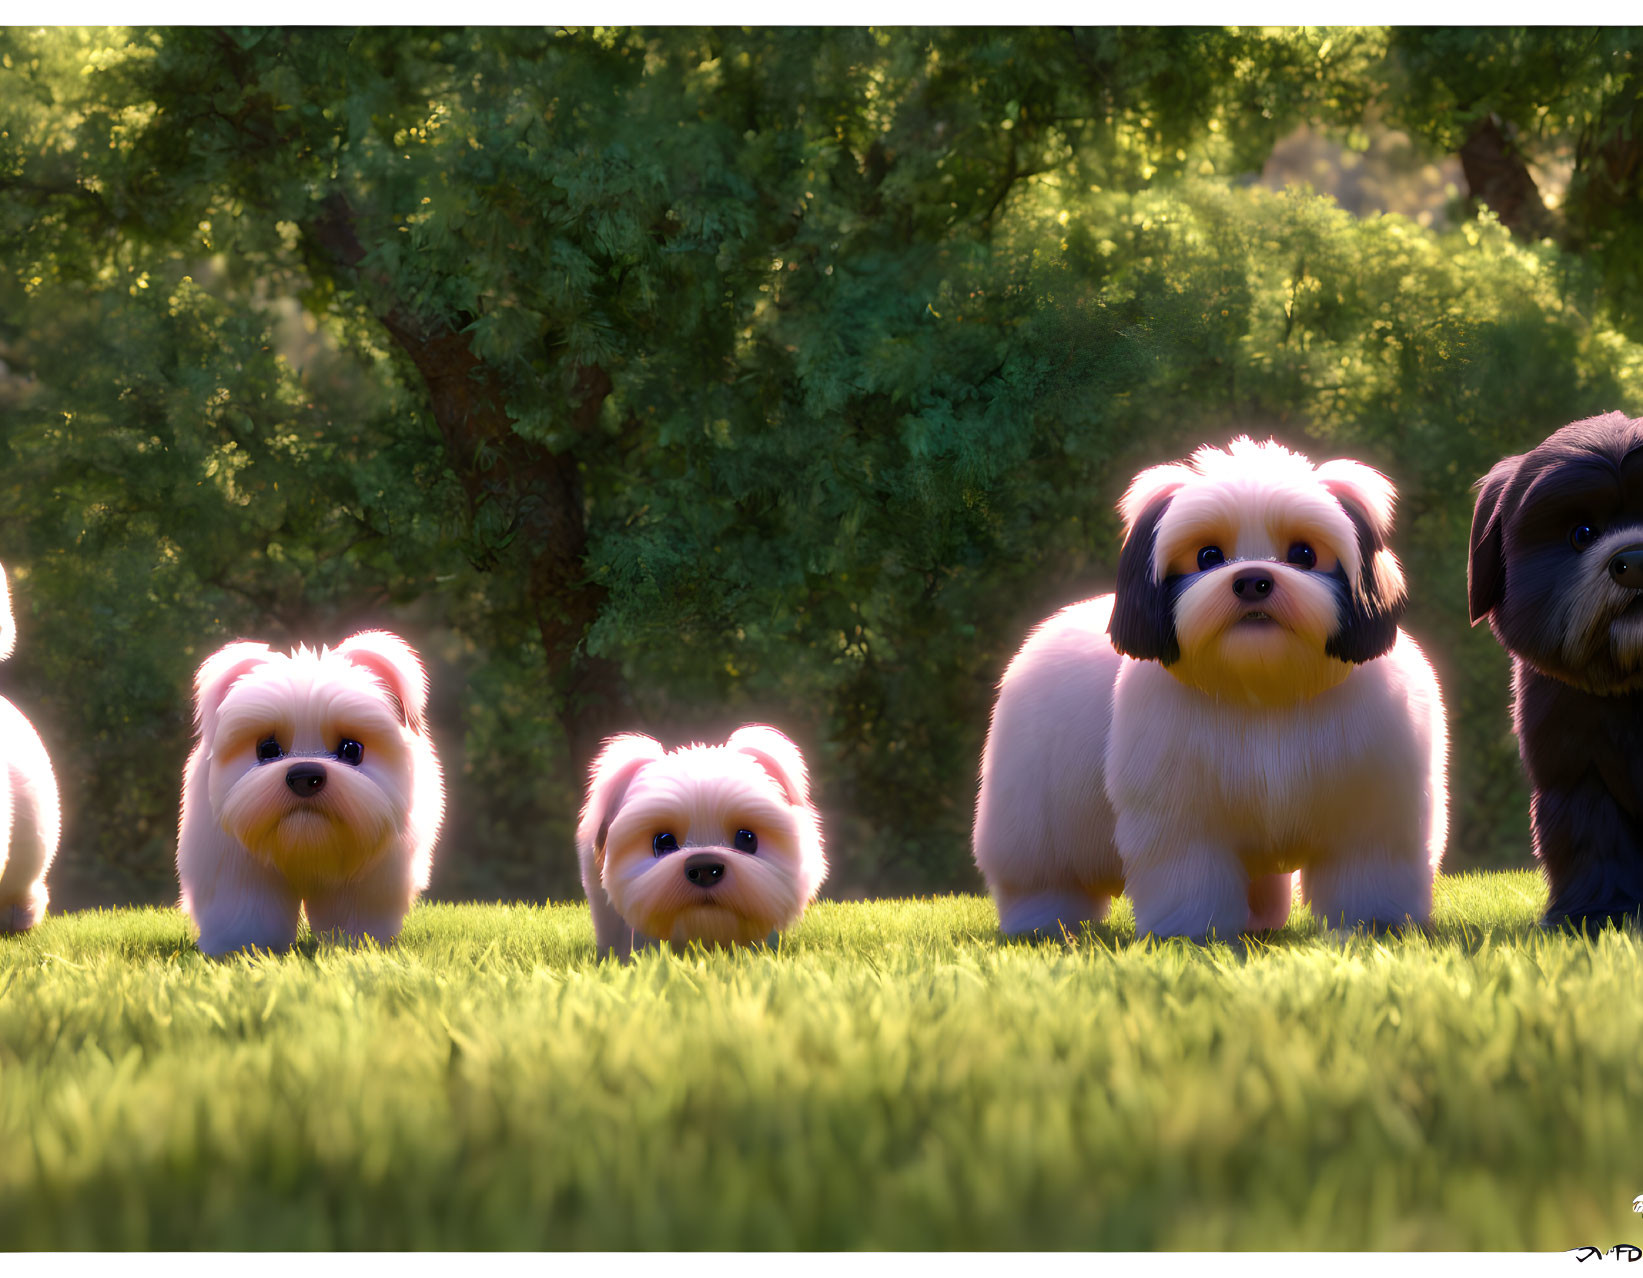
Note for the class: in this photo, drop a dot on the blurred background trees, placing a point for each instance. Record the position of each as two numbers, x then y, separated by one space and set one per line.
672 379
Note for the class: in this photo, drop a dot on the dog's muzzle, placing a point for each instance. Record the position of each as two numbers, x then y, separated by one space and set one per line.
305 779
1626 568
704 869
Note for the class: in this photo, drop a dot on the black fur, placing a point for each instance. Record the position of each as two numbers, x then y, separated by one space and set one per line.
1579 723
1584 755
1486 566
1370 610
1143 610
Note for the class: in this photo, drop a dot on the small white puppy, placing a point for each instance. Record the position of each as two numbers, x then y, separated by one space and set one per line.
1244 706
30 818
314 787
718 844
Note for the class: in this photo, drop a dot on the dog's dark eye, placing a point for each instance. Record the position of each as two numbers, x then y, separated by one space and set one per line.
1303 556
1210 557
1583 535
269 749
746 841
662 844
350 751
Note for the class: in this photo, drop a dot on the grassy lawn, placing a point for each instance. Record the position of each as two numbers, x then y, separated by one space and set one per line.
895 1076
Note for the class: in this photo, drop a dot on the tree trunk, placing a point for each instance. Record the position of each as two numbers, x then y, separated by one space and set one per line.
539 490
1497 175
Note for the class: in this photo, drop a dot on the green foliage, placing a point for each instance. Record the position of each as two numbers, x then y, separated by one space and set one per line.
887 320
893 1077
1573 98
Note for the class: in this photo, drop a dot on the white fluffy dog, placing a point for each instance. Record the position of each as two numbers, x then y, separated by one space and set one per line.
1244 706
718 844
30 818
314 787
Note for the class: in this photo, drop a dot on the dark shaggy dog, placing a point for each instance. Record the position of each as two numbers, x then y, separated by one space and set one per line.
1557 567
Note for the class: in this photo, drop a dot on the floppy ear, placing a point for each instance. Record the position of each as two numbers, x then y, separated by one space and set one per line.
395 662
776 755
1486 565
1371 491
217 674
1143 613
608 781
8 631
1376 601
1149 486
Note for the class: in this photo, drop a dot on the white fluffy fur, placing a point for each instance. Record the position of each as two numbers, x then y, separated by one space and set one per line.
251 855
1201 788
30 818
702 795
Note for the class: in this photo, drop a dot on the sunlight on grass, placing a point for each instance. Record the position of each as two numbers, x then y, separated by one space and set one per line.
893 1075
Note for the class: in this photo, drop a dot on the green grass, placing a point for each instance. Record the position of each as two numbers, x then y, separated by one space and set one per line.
895 1076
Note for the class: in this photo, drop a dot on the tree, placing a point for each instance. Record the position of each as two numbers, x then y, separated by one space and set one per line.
673 378
1511 100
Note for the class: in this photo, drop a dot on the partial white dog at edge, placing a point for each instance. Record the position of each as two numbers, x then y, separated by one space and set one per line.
718 844
314 787
1242 707
30 815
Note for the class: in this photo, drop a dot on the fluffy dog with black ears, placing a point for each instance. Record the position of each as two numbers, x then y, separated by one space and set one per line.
1557 568
314 787
717 844
30 817
1243 707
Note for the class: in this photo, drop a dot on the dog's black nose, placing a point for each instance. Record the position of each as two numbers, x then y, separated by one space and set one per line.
305 779
1626 567
704 869
1252 585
